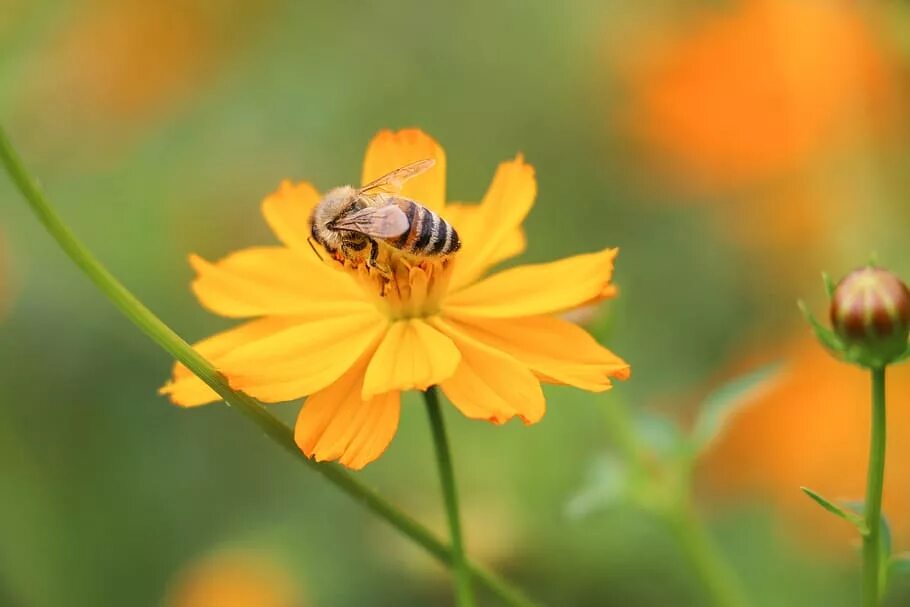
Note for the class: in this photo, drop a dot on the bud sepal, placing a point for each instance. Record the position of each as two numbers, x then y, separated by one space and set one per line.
870 318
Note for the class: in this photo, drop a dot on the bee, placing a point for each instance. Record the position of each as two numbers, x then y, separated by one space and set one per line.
349 220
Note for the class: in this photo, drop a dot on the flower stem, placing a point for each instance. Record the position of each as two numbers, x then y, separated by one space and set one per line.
463 594
179 349
874 481
717 577
713 571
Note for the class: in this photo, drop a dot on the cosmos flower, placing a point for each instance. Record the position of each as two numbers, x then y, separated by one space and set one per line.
123 66
353 338
760 89
234 578
764 112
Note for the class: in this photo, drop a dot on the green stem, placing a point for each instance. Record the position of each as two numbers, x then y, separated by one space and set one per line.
715 574
463 594
874 482
718 578
179 349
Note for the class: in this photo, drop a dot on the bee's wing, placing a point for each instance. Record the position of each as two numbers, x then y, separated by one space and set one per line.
378 222
396 179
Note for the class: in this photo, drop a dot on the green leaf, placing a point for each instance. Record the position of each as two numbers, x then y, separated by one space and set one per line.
659 433
825 335
606 485
884 544
829 284
903 356
726 400
833 508
884 526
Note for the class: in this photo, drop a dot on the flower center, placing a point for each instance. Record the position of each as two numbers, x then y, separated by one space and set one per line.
403 285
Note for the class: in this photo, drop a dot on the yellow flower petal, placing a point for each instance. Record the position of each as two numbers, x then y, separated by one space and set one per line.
337 424
469 223
375 433
413 355
187 390
502 211
287 211
532 290
304 358
275 281
556 350
489 384
391 150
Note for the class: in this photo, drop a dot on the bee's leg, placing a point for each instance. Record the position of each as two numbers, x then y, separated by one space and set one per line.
374 255
347 252
351 248
374 252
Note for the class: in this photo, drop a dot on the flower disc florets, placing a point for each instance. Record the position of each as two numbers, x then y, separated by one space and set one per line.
408 287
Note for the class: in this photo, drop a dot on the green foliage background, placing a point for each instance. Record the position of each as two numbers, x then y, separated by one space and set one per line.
107 491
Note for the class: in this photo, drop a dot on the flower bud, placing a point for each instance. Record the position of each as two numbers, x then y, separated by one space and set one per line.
870 312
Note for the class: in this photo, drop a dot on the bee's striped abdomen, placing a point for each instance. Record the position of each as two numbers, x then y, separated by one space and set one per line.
428 234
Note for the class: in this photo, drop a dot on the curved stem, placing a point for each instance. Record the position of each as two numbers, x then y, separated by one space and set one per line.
174 345
715 574
872 550
717 577
463 594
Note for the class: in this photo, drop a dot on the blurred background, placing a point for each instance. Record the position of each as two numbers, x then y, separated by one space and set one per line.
731 149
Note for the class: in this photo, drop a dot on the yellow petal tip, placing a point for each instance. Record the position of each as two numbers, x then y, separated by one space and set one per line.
197 262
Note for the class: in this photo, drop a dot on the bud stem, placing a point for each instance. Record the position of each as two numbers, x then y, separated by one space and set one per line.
872 557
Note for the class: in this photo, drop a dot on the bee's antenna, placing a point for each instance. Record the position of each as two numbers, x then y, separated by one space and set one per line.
312 246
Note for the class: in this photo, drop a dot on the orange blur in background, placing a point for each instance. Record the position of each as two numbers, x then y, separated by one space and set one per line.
234 579
811 428
760 89
782 115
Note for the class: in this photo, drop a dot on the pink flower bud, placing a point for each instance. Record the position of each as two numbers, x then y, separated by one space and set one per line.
870 309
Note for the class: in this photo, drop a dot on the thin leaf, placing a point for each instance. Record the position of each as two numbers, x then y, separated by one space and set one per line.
829 284
661 434
859 508
847 515
825 335
904 356
606 485
726 400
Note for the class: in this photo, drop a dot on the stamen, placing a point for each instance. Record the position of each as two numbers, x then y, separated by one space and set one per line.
403 285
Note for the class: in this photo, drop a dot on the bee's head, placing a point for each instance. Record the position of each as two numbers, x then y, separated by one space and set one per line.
332 207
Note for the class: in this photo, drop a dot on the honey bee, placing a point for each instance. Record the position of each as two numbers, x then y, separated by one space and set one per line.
349 220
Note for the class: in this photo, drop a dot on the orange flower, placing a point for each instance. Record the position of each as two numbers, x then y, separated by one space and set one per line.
758 90
353 339
113 67
811 428
233 579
